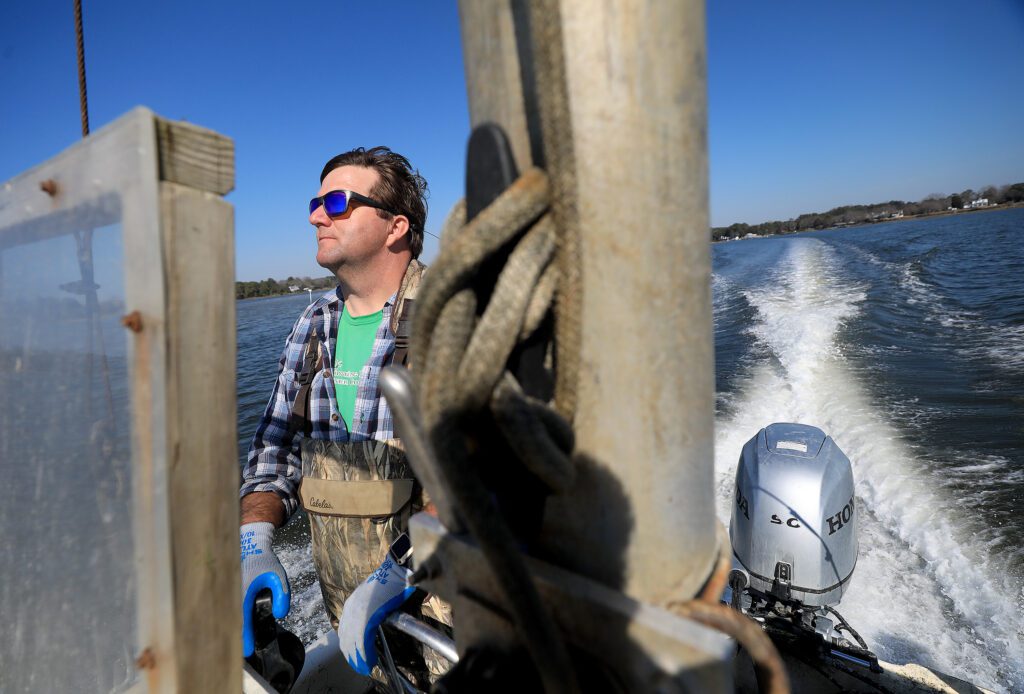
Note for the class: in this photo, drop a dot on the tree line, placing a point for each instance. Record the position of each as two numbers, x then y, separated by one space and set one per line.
878 212
272 287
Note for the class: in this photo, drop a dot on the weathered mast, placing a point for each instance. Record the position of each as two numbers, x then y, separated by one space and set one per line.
644 418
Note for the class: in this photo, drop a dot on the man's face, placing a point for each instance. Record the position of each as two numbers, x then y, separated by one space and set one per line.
356 236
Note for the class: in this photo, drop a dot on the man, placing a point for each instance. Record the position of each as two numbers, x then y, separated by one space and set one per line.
326 439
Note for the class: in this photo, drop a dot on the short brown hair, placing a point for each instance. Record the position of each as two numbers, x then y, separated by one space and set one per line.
399 187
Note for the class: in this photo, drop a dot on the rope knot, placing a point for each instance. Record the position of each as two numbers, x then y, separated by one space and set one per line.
466 332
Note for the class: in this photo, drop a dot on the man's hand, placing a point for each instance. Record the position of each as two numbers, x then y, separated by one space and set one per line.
368 606
260 569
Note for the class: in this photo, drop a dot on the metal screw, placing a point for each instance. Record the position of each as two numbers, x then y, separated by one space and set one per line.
48 186
146 660
133 321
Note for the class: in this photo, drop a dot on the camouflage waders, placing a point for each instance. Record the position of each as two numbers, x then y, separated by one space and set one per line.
359 497
372 486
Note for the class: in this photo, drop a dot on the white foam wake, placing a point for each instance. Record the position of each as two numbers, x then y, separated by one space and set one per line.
307 618
921 592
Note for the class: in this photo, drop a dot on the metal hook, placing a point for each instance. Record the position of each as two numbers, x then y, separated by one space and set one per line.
399 391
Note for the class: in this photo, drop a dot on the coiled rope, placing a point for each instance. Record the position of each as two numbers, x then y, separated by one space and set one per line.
460 362
560 163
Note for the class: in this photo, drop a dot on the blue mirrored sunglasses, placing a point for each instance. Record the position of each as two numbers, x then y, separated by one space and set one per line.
336 202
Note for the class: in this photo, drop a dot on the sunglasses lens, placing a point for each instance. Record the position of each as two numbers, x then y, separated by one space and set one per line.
313 204
335 203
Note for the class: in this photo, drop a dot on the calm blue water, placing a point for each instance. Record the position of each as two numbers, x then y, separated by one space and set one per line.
263 327
905 342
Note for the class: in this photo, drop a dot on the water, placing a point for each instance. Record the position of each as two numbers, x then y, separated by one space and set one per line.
263 327
905 342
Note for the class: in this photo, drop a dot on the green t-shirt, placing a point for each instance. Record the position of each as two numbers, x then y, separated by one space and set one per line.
351 352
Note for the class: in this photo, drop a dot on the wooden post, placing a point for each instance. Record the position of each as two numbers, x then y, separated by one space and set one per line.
645 413
196 224
644 424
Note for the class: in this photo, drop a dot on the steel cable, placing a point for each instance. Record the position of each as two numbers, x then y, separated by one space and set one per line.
83 98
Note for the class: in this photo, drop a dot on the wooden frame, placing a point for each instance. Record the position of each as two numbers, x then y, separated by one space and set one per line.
164 182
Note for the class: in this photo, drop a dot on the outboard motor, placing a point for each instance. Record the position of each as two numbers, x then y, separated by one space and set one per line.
794 523
794 537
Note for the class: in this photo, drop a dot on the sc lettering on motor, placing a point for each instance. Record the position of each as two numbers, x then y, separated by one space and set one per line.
791 521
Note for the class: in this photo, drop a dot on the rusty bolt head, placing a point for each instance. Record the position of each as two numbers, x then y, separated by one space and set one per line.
146 660
133 321
48 186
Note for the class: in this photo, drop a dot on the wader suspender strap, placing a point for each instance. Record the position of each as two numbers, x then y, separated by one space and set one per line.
299 420
402 332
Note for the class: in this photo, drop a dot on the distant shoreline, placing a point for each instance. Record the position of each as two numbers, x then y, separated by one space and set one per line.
267 296
905 218
943 213
261 289
277 296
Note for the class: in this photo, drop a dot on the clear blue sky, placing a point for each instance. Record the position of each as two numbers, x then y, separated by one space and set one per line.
811 105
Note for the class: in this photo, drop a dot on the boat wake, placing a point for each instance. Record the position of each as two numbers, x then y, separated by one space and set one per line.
923 591
307 618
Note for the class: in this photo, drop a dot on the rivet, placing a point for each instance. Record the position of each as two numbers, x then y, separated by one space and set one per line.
133 321
146 660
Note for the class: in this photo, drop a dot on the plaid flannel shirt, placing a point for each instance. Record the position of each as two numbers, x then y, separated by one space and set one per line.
274 463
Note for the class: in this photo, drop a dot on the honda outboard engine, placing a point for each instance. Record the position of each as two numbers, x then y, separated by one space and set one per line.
794 521
794 536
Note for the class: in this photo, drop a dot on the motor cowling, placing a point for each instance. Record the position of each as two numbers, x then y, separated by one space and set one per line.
794 518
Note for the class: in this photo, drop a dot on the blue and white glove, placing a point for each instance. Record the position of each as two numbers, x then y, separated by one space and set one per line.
384 591
260 569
